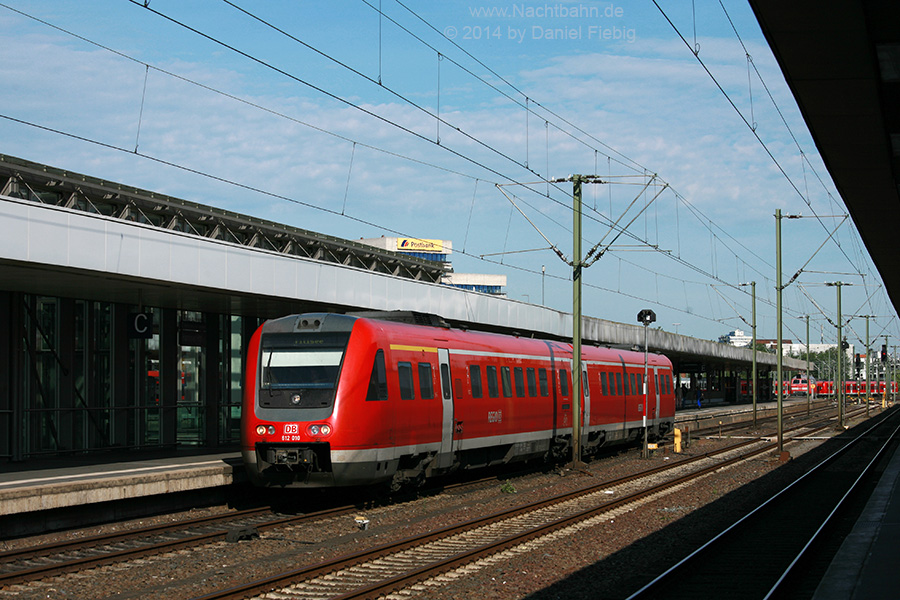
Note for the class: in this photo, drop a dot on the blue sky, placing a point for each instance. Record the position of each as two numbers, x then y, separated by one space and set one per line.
331 109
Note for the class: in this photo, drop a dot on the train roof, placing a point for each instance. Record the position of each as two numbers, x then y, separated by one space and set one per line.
431 327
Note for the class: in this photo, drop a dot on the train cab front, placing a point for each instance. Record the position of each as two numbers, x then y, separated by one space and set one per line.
294 364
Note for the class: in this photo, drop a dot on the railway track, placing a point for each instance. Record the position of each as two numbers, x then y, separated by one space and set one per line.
818 409
779 549
415 562
32 564
37 562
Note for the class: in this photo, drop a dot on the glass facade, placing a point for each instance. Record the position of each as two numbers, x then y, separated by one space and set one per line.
496 290
76 377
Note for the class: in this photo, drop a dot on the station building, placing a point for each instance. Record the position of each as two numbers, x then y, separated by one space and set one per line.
124 313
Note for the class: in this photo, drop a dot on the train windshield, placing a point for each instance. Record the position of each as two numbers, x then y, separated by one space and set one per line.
301 368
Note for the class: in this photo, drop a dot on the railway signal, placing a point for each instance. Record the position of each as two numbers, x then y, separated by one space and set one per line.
645 317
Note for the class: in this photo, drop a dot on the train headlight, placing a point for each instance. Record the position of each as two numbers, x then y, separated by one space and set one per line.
270 430
323 429
260 430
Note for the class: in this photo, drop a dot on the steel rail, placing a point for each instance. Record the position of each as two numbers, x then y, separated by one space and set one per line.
36 573
862 476
393 583
661 580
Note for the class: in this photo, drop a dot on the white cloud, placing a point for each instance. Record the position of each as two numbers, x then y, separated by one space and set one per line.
650 100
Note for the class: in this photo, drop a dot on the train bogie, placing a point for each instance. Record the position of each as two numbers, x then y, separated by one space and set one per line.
334 400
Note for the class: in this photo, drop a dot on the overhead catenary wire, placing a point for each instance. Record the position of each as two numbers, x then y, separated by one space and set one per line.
294 120
753 129
244 101
634 165
472 177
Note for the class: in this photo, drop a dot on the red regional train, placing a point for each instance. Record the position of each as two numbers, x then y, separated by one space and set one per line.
852 388
341 400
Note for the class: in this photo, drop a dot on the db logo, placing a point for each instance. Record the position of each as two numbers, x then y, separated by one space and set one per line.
291 428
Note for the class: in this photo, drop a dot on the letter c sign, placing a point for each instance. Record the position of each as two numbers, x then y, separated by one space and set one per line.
140 326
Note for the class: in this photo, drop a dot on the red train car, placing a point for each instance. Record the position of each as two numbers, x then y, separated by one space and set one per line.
876 388
825 388
339 400
800 386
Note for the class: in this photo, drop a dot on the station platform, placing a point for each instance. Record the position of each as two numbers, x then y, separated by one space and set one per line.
52 494
49 498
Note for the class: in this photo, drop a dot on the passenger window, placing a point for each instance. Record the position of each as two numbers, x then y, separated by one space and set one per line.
564 382
532 382
519 377
493 390
404 371
603 387
586 384
634 390
445 381
656 381
426 381
542 378
378 379
475 378
618 384
506 382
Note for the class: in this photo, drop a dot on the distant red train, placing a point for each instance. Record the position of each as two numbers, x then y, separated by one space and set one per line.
851 388
800 386
339 400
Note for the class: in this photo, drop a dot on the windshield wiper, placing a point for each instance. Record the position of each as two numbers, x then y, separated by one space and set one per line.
267 381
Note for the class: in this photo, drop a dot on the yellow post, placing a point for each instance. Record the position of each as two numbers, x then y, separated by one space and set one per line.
677 441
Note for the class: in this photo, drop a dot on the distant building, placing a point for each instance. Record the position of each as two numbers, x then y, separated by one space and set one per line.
474 282
791 348
440 251
736 338
427 249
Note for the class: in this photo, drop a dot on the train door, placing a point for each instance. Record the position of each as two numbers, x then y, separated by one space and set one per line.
586 418
655 374
445 455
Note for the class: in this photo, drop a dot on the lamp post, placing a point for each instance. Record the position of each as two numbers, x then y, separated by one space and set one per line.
779 343
577 264
839 379
645 317
893 365
808 380
885 377
576 321
752 285
780 357
868 387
